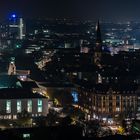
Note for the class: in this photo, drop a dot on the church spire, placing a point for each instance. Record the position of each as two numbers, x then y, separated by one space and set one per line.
98 46
98 38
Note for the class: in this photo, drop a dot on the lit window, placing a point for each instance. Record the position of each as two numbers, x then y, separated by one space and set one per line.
9 116
39 102
29 106
14 116
26 136
117 109
18 106
8 106
39 105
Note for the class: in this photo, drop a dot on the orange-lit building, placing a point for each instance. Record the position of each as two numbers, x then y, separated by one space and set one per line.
110 102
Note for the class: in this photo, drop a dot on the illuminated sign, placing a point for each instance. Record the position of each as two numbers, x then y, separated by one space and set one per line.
75 96
13 16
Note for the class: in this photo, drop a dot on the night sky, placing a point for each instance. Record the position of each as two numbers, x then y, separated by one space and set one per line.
83 9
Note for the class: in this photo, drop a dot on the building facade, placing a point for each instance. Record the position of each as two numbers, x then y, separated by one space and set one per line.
15 101
110 103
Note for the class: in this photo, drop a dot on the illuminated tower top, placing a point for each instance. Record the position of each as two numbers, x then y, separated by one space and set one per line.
17 23
98 38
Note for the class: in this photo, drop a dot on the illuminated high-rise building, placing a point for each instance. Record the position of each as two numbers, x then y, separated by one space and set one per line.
16 27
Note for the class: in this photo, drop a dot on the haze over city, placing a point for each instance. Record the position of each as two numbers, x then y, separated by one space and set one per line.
81 9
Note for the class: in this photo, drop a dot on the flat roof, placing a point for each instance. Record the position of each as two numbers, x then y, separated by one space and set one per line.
13 93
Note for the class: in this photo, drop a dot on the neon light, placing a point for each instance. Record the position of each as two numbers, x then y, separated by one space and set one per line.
75 96
13 16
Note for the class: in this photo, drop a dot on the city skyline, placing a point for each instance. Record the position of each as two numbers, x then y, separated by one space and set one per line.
64 76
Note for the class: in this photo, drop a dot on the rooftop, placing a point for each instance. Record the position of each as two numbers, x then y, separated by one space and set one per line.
12 93
118 87
29 84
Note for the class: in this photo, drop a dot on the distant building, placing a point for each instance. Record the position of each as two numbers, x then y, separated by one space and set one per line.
15 101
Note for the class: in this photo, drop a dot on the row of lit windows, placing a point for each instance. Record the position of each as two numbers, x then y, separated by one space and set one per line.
110 109
15 116
118 98
113 103
19 106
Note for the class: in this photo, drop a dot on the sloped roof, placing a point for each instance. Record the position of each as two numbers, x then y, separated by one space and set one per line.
8 81
29 84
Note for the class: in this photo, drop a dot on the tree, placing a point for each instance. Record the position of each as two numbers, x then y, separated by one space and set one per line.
93 128
124 125
24 119
66 121
121 117
51 118
40 121
74 113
